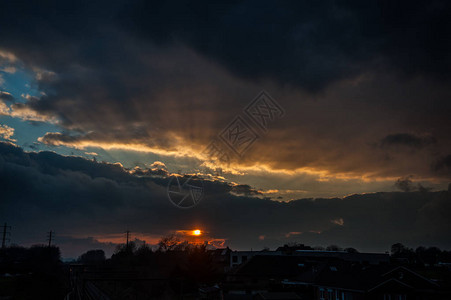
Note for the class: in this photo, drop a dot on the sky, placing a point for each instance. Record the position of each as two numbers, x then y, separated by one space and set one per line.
332 119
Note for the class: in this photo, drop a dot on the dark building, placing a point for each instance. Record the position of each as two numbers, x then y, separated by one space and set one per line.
362 258
220 259
336 276
355 282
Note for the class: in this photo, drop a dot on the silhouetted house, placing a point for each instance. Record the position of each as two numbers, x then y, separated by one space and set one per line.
444 265
362 258
286 249
220 259
239 257
327 278
354 282
265 273
277 296
207 293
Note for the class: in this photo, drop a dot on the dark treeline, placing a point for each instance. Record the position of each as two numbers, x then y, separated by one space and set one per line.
187 265
37 271
428 256
30 273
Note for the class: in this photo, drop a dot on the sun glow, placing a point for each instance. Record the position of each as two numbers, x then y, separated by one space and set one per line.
197 232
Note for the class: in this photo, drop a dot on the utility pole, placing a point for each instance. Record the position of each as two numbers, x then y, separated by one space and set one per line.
49 237
5 232
128 235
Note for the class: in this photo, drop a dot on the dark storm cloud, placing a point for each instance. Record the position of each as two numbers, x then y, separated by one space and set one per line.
443 165
81 198
406 139
159 73
245 190
306 44
52 138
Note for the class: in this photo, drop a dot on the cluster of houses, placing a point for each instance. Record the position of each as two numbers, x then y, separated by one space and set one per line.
287 273
321 275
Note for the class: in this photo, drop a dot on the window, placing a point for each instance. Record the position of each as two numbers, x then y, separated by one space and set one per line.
321 294
395 296
243 258
234 258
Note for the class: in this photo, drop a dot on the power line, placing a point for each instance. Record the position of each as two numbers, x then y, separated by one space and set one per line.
5 232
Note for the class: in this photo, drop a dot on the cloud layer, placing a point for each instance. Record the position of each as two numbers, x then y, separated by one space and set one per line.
89 203
166 77
365 89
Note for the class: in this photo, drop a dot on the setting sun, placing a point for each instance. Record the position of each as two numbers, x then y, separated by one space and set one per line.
197 232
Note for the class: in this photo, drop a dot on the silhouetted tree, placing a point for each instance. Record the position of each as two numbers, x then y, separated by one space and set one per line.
293 246
399 251
42 274
92 257
430 255
200 268
123 255
123 248
168 243
445 257
333 248
351 250
44 257
144 255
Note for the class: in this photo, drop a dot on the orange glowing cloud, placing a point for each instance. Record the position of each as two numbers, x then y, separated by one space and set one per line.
200 237
120 238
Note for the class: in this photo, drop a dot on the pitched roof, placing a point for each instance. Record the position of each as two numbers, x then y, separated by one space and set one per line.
368 278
